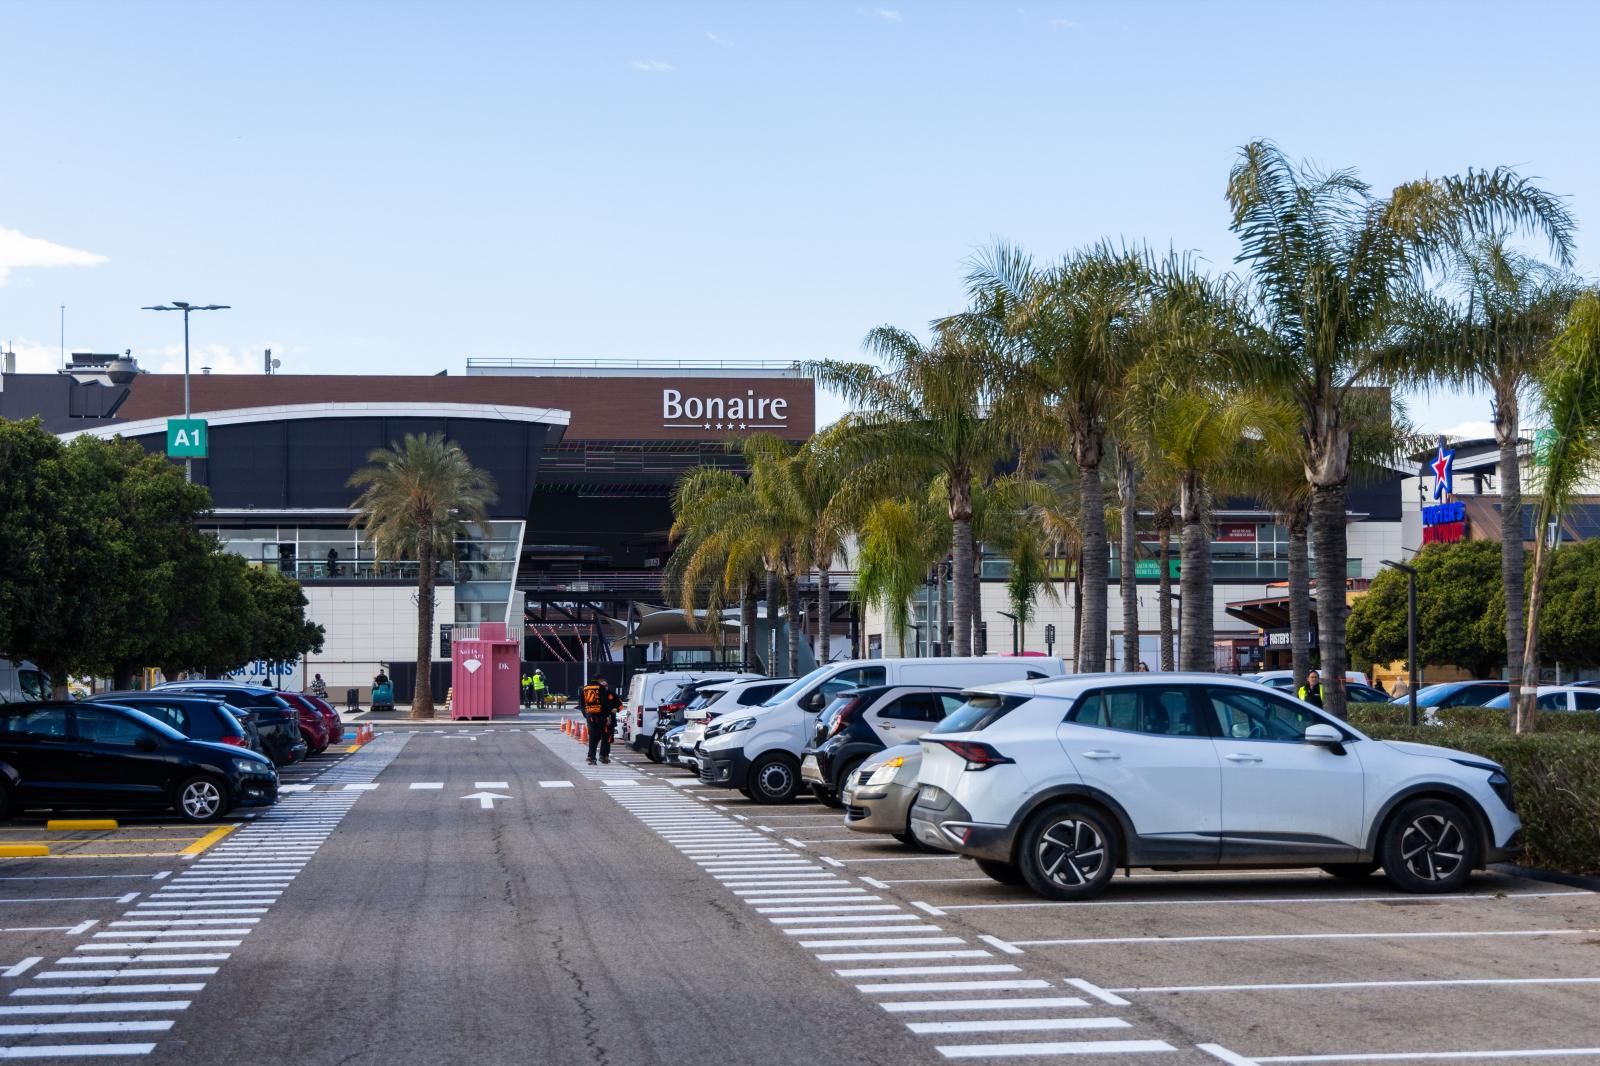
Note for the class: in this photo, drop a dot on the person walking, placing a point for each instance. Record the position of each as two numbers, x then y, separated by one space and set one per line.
600 706
319 687
1311 691
538 689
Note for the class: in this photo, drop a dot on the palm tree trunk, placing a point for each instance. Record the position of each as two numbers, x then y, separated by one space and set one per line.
747 626
791 604
1332 549
1164 611
824 614
772 625
1527 700
422 694
1195 651
1511 553
1299 593
980 638
965 605
1127 585
1096 563
1077 614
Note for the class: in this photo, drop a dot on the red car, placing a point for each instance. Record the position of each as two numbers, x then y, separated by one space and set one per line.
313 726
330 714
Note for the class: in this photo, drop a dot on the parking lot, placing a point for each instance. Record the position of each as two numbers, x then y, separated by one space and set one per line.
1241 967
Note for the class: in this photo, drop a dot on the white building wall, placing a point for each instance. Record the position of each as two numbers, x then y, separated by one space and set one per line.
366 627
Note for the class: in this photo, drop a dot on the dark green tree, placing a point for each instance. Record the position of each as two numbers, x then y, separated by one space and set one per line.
1457 587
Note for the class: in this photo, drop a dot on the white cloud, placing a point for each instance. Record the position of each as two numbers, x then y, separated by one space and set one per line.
19 250
34 358
1063 24
886 14
221 358
1469 430
651 66
717 38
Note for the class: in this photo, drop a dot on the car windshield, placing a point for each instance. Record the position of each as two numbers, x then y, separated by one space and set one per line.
979 713
795 687
1428 695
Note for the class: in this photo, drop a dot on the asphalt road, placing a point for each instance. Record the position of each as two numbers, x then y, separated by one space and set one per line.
478 895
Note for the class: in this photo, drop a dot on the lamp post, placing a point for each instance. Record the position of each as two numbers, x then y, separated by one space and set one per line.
1015 647
1411 632
185 307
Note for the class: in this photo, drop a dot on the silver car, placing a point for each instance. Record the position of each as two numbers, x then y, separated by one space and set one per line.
879 794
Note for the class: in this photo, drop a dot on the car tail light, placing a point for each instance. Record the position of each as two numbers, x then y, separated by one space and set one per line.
845 715
979 756
639 723
238 742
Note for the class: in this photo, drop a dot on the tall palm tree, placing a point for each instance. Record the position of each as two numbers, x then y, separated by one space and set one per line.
901 539
813 493
1072 326
709 567
418 497
1570 384
1329 264
1127 555
925 416
1494 323
1059 520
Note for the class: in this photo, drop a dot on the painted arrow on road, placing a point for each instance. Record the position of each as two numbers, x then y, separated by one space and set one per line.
486 799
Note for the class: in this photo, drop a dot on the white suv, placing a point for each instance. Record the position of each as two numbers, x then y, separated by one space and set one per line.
1057 784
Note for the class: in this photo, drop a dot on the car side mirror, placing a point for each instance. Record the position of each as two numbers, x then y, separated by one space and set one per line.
145 744
814 701
1325 735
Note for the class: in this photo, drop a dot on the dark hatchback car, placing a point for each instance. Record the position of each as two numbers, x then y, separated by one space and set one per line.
1457 694
105 755
863 722
276 721
196 717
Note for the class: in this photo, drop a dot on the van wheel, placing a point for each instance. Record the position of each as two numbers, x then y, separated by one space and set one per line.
201 799
1003 872
774 778
1069 851
1429 846
1351 871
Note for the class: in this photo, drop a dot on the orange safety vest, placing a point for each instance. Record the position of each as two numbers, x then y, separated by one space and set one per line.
593 699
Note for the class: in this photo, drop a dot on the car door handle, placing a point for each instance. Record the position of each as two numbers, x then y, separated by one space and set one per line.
1101 755
1240 757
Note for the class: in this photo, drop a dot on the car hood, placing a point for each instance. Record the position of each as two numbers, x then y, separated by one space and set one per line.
1433 751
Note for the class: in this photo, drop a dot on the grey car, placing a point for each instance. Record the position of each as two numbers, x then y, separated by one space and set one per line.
878 795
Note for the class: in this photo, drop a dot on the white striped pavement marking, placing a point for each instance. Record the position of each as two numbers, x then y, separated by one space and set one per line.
878 942
835 919
129 1006
1068 1047
927 971
902 956
108 990
144 971
1001 985
54 1051
1015 1025
857 930
920 1006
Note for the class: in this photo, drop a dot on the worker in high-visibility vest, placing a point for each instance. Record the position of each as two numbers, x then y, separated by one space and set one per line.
600 707
527 688
538 688
1311 691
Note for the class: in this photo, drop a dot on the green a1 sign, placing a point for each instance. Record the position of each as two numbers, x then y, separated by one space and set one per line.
186 438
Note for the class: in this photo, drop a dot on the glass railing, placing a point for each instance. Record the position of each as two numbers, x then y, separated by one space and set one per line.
362 570
1230 570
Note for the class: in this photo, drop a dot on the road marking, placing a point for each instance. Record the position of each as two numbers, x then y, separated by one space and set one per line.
490 784
1217 1051
1015 1025
996 942
928 971
874 882
160 944
294 788
63 899
903 956
360 788
795 897
846 918
1070 1047
20 968
793 842
920 1006
486 800
212 956
556 784
1366 984
871 941
148 971
831 861
954 986
209 839
83 927
98 1008
49 1051
108 990
431 785
927 908
1255 901
1108 997
1304 936
859 929
836 909
1415 1056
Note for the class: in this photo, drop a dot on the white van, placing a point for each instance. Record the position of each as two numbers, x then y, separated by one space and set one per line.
23 682
648 691
759 753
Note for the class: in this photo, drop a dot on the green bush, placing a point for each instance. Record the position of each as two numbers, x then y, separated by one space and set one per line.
1367 716
1556 777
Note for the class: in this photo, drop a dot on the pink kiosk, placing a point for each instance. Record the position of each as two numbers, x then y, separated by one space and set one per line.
486 668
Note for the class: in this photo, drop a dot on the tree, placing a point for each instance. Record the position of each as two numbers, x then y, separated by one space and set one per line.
1072 328
1571 619
418 497
1570 385
1329 267
1456 589
282 632
901 539
926 415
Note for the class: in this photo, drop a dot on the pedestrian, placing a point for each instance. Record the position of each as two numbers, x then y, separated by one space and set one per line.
538 688
600 706
527 688
1144 667
1311 691
1377 683
319 687
333 562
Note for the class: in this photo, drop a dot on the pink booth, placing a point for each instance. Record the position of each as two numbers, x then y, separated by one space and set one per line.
486 672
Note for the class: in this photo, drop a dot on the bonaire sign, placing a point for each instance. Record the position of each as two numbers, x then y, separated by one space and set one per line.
749 411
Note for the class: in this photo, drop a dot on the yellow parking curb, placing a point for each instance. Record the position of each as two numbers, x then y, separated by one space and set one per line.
23 851
209 839
81 823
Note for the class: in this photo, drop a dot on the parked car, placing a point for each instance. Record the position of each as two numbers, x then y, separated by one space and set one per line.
106 755
648 691
722 698
313 726
1456 694
672 714
1283 680
669 745
879 793
1556 698
1357 693
1059 784
863 722
196 717
330 714
277 722
22 682
759 753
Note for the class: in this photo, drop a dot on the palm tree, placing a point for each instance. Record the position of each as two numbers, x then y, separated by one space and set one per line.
1073 329
901 539
1495 325
708 567
1058 518
813 493
1329 265
418 497
1570 383
1127 555
925 416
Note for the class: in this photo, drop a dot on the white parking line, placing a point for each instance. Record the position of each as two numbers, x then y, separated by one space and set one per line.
1070 1047
1217 1051
139 1006
20 968
903 956
486 784
1254 901
841 908
1302 936
1000 985
928 971
873 941
556 784
434 785
920 1006
1317 985
1016 1025
1441 1056
1106 996
845 918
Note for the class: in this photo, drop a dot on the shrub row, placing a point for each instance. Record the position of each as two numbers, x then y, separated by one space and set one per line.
1556 777
1368 716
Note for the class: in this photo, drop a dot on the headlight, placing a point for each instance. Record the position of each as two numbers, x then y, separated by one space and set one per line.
738 724
885 772
249 766
1502 788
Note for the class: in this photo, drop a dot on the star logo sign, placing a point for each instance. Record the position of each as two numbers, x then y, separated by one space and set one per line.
1444 472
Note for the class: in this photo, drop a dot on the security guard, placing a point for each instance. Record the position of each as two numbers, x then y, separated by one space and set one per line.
1311 691
538 689
600 706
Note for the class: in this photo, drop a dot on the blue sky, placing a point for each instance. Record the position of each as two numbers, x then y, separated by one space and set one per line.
396 186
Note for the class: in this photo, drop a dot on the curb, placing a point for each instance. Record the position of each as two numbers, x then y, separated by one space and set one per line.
1554 877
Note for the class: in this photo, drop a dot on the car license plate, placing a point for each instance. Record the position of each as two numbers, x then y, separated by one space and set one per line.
809 771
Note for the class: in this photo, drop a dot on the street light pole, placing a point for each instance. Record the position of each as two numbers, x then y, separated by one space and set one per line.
1015 649
1411 632
186 307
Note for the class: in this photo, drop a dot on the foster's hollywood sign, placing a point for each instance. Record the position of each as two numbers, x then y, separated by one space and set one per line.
748 411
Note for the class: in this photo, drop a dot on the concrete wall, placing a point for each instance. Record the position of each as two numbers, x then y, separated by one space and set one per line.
366 627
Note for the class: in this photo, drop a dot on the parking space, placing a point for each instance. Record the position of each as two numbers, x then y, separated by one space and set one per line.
1259 966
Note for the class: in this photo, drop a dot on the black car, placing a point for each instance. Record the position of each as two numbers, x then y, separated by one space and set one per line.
671 714
864 721
1457 694
105 755
276 721
196 717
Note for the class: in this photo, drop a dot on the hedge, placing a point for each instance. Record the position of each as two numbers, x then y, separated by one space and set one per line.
1555 774
1369 716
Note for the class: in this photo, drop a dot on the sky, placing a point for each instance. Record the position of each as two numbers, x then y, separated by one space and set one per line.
392 187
